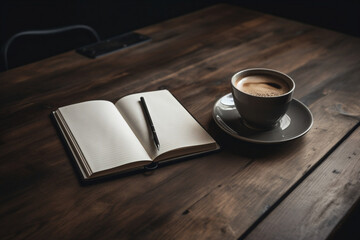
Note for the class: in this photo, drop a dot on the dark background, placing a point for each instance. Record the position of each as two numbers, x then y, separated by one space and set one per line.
111 18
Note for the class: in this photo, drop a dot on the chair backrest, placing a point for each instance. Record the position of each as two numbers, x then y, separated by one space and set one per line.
38 44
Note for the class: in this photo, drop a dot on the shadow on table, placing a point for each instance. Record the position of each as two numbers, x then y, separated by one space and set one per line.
253 150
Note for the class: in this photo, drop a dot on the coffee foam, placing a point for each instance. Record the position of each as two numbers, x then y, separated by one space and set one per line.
262 85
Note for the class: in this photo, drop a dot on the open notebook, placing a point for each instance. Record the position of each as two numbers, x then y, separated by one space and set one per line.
107 138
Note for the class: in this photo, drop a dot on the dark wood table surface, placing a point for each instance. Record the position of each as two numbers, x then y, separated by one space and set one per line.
302 189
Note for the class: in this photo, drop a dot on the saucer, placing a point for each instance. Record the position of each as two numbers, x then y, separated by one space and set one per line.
295 123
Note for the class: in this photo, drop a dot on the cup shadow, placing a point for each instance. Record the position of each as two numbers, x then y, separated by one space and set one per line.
245 149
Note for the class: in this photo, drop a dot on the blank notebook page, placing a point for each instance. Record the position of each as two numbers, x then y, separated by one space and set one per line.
103 135
174 125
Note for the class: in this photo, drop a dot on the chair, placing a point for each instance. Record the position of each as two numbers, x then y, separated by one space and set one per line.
34 46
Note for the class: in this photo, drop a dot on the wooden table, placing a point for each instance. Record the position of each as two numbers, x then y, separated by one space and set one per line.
302 189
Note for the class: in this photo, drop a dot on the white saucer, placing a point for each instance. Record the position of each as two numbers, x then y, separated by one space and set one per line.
296 122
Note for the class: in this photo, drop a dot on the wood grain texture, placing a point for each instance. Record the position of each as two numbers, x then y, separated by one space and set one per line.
317 205
218 196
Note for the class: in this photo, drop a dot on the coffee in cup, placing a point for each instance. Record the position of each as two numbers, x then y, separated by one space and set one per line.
262 85
262 96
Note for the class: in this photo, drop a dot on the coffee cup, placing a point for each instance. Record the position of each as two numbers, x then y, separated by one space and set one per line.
261 96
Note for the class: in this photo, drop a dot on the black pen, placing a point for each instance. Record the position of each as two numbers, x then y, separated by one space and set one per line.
150 123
